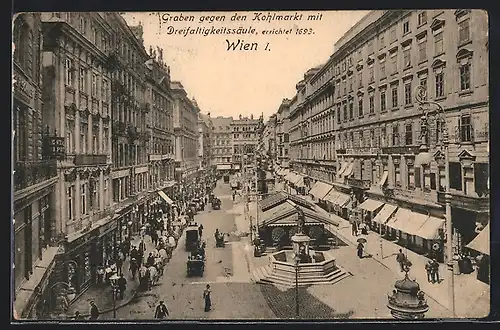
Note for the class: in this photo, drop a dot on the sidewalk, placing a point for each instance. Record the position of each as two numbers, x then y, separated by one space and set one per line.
468 290
102 295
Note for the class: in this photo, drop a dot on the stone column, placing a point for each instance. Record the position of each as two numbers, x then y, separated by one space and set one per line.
58 203
78 197
101 191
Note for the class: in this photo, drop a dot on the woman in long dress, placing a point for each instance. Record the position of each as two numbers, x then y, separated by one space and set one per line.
206 296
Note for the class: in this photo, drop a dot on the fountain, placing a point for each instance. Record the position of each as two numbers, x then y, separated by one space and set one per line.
301 264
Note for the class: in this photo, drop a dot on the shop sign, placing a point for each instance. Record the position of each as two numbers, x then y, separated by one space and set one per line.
23 87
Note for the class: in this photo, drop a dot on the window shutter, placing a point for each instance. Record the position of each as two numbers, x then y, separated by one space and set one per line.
417 177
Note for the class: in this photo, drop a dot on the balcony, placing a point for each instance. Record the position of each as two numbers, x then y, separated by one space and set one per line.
471 203
361 184
400 150
362 151
81 160
30 173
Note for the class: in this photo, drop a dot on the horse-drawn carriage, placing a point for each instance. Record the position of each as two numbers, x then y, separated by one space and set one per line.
195 265
216 203
259 248
192 238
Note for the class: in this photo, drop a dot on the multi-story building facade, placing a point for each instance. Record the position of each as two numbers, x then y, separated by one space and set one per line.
77 103
282 133
360 112
204 141
267 143
186 133
222 143
35 173
245 136
160 122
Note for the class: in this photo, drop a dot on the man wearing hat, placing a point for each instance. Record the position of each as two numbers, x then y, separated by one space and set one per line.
161 311
94 311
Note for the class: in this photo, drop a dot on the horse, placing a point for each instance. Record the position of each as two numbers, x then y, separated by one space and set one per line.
163 254
153 277
159 265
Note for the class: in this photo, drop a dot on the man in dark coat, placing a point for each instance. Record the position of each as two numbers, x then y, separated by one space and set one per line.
401 259
122 286
94 311
134 253
151 260
161 311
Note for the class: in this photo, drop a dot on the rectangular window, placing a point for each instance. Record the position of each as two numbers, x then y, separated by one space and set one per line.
382 70
83 138
465 128
350 84
351 110
422 18
381 41
345 112
83 197
409 134
438 44
70 137
394 62
83 80
382 101
406 27
417 178
481 178
344 85
395 135
69 70
408 100
407 57
94 84
433 181
393 34
360 79
394 92
372 75
372 104
95 140
360 107
465 77
456 176
423 83
463 32
70 193
422 50
439 84
338 115
383 135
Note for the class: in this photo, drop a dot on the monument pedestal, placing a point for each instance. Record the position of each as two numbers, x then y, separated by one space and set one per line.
300 244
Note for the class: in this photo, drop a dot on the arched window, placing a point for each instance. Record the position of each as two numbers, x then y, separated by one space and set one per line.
23 53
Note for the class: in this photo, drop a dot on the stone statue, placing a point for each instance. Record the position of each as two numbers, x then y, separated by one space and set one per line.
300 222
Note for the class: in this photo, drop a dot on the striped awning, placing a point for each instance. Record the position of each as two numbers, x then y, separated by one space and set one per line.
320 190
349 170
165 197
370 205
384 214
343 168
332 196
299 180
430 229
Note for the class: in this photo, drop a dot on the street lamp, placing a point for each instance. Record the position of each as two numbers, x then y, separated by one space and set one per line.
424 158
296 260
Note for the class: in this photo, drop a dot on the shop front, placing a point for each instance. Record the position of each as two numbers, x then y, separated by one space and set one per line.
80 264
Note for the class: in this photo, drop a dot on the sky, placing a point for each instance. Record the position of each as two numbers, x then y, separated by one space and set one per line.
233 82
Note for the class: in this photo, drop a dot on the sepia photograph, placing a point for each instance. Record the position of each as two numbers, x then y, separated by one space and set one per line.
250 165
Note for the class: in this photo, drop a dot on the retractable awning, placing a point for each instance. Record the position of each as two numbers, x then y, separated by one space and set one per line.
385 213
349 170
408 222
332 196
430 229
165 197
400 218
342 199
481 243
343 168
383 180
320 190
299 181
370 205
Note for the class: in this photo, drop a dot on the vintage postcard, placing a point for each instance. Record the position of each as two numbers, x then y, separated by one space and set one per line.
250 165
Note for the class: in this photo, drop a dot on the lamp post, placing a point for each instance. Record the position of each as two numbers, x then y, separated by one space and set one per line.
296 259
424 157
